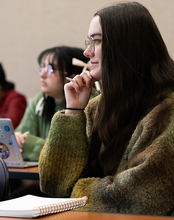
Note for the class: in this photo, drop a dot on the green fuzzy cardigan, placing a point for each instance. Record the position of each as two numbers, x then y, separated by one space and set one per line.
145 186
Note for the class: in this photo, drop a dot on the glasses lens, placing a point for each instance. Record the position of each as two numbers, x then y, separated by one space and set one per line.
49 70
90 42
87 43
92 45
41 68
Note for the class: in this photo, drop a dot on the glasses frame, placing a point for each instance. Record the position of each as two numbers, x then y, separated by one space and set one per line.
47 69
90 42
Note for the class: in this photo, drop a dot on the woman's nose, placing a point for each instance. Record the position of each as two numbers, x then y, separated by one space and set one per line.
43 73
88 53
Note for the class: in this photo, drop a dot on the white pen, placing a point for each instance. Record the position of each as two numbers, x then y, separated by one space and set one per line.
26 133
71 80
95 90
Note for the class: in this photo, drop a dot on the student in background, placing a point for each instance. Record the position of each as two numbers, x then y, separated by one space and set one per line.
12 103
119 151
55 65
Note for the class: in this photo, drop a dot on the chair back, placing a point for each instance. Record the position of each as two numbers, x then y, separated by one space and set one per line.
4 180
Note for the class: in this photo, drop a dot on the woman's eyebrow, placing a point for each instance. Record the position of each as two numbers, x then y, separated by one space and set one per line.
96 34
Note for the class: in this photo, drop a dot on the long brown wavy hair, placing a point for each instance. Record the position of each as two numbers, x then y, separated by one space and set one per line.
137 73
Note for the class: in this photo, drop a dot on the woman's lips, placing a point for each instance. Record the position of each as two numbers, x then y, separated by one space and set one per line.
43 83
92 64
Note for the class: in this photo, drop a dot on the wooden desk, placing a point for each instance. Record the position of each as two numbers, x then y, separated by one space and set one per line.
74 215
28 173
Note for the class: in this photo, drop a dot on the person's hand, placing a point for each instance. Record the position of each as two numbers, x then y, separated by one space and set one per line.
20 138
77 92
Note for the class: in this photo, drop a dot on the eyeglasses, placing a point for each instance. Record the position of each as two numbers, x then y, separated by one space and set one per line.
47 69
92 42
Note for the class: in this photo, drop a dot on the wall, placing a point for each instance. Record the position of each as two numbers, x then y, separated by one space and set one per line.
27 27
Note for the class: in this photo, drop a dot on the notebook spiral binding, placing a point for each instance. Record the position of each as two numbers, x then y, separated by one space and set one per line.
60 207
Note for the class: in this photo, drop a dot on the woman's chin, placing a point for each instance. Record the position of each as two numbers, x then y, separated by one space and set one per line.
95 75
43 90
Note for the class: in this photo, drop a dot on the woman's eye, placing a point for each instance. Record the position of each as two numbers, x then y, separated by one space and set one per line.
97 41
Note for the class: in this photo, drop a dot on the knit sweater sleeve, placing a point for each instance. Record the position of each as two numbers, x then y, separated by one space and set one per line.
64 155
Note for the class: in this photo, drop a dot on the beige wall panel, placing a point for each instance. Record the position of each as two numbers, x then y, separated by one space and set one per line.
29 26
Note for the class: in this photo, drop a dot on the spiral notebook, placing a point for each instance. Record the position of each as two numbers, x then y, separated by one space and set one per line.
31 206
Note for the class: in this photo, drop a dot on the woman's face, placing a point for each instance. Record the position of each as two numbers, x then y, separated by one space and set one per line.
51 85
95 56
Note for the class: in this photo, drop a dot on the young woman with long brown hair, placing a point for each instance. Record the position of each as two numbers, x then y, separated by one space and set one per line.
119 152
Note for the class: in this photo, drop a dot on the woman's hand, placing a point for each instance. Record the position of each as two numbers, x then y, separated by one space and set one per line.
20 138
78 92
